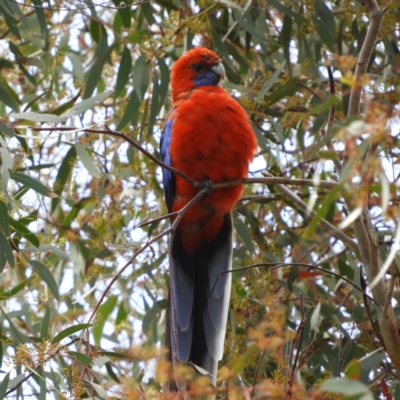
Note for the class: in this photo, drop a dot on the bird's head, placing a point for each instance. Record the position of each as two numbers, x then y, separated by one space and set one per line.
198 67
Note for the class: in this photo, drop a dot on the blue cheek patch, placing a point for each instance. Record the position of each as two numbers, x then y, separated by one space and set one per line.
209 78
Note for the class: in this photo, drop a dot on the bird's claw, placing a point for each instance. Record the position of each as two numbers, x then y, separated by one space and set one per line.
208 185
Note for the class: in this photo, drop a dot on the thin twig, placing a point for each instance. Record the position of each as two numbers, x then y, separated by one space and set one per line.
304 354
329 227
127 264
331 119
299 335
31 374
275 265
376 16
368 310
151 221
274 180
144 247
245 390
253 387
132 142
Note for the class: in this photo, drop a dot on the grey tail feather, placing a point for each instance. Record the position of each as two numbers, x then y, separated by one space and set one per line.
201 303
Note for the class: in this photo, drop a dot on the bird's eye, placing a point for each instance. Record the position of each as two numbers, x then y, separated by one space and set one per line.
197 67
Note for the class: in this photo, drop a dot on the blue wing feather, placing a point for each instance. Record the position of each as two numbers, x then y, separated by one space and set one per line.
168 176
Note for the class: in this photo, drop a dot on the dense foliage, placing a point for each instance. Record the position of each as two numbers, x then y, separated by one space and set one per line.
83 96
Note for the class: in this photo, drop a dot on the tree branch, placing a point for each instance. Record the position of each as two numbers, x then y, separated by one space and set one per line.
376 16
134 143
327 225
364 229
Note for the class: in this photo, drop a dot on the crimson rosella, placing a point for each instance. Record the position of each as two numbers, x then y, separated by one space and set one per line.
207 136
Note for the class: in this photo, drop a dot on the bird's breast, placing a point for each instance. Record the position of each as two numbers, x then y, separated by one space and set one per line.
211 138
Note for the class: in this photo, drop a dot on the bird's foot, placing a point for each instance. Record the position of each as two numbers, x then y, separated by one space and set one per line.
208 185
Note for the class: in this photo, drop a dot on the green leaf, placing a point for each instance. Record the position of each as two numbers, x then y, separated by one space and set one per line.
77 66
331 197
169 5
84 105
149 317
371 360
74 211
137 36
67 105
42 21
124 13
81 357
222 50
99 390
62 175
324 34
44 326
122 315
243 232
11 22
7 130
287 11
70 331
326 17
24 231
34 101
20 59
130 111
6 98
112 374
6 254
100 361
7 293
347 387
17 336
36 117
397 390
326 105
267 86
104 312
47 277
325 24
147 12
246 23
97 30
4 386
140 77
286 36
87 160
101 54
164 79
154 104
353 370
48 247
32 184
288 89
124 70
315 318
120 356
4 219
42 383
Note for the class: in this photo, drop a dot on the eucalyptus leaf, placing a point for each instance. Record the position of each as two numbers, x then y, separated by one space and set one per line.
87 161
47 277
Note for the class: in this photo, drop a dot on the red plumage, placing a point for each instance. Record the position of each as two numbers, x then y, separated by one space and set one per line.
208 137
212 139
